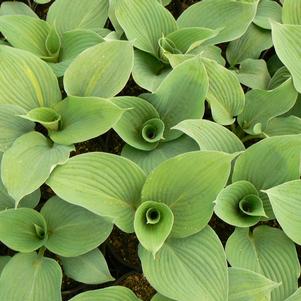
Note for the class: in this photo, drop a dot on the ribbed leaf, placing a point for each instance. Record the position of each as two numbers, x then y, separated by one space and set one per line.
135 120
261 106
90 14
153 223
102 70
12 126
22 229
249 46
254 74
149 160
291 13
197 179
26 81
290 125
30 277
145 22
267 10
181 95
16 8
286 39
105 184
29 162
193 268
295 297
239 205
279 77
84 118
248 286
42 1
90 268
215 14
210 135
269 252
73 230
116 293
3 261
159 297
225 94
286 203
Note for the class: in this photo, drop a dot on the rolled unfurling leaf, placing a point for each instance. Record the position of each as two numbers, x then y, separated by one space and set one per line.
153 224
239 205
153 130
47 117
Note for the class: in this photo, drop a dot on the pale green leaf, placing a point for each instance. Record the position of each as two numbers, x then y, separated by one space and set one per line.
159 297
22 229
249 286
73 230
289 125
197 179
269 252
286 39
84 118
215 14
29 162
30 277
106 184
225 94
210 52
116 293
291 13
16 8
267 10
90 14
3 261
249 46
102 70
26 81
42 1
153 223
90 268
279 77
145 22
149 160
210 135
262 105
12 126
193 268
295 297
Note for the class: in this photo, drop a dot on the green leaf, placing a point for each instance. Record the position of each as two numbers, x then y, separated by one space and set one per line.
193 268
26 33
145 22
286 203
225 94
286 39
81 14
149 160
210 52
181 95
106 184
30 277
84 118
267 10
295 296
291 13
153 223
279 77
269 252
12 126
22 229
249 46
254 74
105 77
41 1
73 230
90 268
239 205
148 71
159 297
211 136
47 117
136 121
290 125
261 106
197 179
29 162
214 14
116 293
16 8
3 261
248 286
26 81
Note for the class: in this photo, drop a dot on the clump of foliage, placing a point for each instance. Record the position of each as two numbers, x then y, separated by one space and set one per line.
214 128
